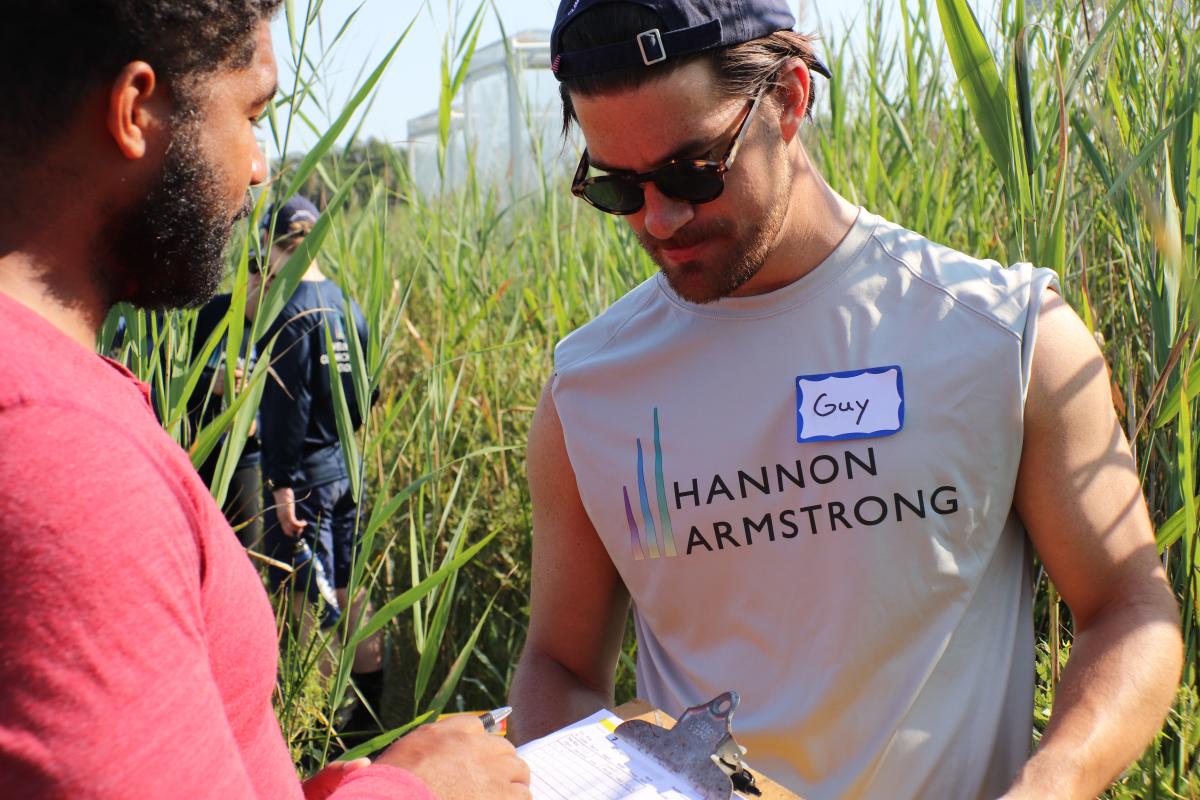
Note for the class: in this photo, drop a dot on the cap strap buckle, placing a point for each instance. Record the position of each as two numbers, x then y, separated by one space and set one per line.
651 44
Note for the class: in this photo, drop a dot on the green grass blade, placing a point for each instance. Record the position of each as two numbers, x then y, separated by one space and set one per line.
434 636
314 156
239 432
341 411
1186 458
194 373
442 698
418 592
1173 529
210 435
981 84
384 739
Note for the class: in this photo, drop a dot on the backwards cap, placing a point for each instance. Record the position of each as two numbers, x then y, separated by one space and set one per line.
688 26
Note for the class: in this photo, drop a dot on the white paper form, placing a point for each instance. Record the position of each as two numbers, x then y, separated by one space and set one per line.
586 761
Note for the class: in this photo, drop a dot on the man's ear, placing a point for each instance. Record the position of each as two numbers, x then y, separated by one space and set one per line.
795 85
138 109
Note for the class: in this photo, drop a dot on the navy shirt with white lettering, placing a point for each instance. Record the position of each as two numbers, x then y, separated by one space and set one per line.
299 431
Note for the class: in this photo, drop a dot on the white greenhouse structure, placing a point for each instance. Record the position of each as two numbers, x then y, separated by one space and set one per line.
507 123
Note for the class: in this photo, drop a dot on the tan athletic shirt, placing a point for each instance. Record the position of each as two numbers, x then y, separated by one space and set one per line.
809 496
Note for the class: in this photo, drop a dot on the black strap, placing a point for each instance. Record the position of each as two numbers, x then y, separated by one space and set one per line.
629 54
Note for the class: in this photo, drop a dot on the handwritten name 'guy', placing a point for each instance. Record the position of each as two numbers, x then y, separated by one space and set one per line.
823 407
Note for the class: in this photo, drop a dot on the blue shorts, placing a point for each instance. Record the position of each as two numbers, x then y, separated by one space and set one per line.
332 515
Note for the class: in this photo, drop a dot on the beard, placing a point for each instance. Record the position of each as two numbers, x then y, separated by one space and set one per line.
168 249
737 253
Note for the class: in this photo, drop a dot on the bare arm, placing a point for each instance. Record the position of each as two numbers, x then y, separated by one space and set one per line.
579 604
1079 496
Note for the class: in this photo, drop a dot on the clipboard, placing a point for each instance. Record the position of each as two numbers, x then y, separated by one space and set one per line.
701 742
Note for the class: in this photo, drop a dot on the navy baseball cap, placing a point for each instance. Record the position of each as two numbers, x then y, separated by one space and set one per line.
289 219
688 26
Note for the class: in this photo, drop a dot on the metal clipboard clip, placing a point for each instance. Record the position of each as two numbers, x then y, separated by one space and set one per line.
700 748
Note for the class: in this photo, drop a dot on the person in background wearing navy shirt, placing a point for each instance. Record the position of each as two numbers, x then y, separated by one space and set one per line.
243 501
308 487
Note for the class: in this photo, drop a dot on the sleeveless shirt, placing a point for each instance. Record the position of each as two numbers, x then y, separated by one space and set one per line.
808 494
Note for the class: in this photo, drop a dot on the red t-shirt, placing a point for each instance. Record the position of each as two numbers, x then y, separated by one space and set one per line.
137 644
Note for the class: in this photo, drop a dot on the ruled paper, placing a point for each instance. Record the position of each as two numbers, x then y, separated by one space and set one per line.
586 761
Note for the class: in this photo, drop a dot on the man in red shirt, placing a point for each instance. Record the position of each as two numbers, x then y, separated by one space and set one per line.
137 645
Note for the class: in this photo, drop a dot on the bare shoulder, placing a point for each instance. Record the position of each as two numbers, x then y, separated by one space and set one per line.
546 431
562 528
578 598
547 462
1078 491
1069 376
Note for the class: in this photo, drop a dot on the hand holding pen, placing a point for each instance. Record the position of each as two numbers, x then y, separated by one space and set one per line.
459 760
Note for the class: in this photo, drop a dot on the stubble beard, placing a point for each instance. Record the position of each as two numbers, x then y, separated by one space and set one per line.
719 276
168 249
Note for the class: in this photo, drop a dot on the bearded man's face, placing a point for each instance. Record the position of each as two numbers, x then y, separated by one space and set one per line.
166 250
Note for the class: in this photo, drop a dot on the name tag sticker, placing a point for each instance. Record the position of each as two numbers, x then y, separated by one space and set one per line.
862 404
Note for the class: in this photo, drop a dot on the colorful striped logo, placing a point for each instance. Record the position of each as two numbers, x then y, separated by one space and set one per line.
660 538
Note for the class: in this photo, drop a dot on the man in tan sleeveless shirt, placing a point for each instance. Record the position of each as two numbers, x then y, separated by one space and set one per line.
817 452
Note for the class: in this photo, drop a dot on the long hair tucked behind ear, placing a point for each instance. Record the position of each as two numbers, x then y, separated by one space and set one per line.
742 70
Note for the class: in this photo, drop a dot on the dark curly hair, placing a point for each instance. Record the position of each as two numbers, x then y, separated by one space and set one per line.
53 52
741 69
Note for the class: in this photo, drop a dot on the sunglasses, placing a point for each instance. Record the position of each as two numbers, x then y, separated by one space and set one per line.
691 180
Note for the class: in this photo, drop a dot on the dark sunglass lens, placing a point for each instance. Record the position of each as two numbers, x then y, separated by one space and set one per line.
615 195
693 183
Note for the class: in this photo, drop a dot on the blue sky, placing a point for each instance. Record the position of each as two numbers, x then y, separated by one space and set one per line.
410 87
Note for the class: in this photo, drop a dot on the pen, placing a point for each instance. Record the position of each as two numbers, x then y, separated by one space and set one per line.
492 719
